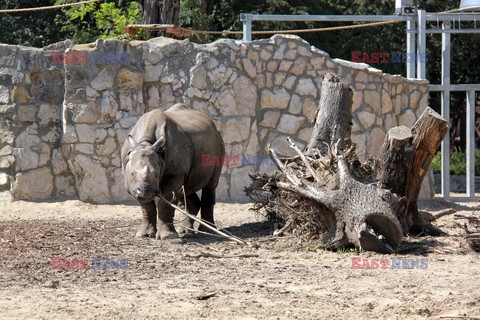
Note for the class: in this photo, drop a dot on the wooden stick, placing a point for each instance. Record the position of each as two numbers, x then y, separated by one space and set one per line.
288 173
304 159
202 222
432 216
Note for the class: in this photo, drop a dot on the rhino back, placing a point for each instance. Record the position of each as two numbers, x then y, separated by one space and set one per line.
204 138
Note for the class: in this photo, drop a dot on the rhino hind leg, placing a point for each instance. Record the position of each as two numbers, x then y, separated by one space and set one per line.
148 228
193 206
207 204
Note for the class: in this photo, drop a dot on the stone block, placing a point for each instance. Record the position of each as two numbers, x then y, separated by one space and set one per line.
279 98
36 184
290 123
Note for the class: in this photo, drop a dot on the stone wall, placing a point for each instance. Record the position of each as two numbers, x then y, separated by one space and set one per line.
257 93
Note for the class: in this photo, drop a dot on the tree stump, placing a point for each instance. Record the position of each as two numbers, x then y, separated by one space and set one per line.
327 194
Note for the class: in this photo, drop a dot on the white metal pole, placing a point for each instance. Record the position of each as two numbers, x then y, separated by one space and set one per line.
470 144
410 49
446 110
422 47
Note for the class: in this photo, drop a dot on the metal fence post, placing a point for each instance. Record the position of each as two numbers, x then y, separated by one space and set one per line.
422 47
470 144
446 110
247 26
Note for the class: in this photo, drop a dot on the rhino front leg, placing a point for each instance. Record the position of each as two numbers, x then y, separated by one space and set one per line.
166 230
148 228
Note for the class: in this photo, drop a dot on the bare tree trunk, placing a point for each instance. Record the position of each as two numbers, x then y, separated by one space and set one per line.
334 116
159 12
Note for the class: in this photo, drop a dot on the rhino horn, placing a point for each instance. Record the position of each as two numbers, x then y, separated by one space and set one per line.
159 144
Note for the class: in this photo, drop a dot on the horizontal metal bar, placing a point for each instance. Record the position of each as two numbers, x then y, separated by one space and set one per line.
446 31
461 17
453 30
300 17
455 87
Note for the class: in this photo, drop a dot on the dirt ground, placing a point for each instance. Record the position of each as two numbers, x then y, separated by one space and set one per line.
203 277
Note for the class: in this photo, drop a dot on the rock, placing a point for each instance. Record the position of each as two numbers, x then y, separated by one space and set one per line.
220 76
59 164
295 104
240 180
236 129
372 98
90 179
27 149
290 124
65 185
128 80
4 95
298 66
407 118
27 113
249 68
367 119
107 148
90 134
278 99
48 113
198 77
305 134
375 141
387 104
306 87
414 99
309 109
103 80
36 184
119 194
245 96
4 180
108 106
270 119
281 146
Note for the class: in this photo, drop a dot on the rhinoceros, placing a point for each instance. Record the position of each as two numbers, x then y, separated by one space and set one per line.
162 153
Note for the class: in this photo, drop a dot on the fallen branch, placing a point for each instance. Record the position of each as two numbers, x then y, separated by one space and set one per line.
432 216
203 223
206 296
304 159
219 256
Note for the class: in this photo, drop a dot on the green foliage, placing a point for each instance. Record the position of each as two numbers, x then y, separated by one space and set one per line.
458 164
91 21
346 250
36 29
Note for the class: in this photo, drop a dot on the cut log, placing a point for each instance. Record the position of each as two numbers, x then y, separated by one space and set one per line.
428 133
403 162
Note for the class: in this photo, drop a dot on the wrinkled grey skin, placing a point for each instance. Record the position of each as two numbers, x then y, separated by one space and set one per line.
163 152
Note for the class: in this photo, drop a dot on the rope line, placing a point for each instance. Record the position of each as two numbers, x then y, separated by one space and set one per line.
46 8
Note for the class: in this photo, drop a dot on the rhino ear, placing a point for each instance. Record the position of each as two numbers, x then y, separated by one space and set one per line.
132 142
159 145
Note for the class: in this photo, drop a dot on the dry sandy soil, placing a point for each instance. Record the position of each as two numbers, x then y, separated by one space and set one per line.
203 277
